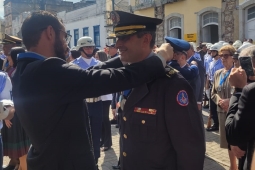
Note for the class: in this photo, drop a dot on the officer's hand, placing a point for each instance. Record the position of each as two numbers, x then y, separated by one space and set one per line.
114 113
237 151
11 113
8 123
238 78
166 51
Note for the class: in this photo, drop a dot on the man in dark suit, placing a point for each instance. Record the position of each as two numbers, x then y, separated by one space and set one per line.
49 94
240 129
160 122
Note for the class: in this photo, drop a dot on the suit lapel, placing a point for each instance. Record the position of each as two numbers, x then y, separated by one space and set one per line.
136 95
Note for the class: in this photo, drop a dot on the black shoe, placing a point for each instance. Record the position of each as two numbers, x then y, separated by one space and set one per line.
117 126
9 167
213 128
116 167
113 121
206 106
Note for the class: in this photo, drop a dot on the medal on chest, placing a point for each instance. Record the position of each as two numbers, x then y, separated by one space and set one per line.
219 88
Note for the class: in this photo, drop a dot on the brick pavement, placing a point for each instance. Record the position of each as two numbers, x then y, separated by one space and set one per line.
216 158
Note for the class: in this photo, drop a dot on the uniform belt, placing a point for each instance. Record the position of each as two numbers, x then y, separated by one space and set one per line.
93 100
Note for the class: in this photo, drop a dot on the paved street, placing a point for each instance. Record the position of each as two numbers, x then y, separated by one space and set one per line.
216 158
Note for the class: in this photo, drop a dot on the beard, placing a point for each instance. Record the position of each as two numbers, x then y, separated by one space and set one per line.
59 49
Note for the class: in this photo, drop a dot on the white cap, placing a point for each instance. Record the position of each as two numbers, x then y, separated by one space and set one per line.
245 45
221 42
84 42
225 43
237 44
215 47
4 112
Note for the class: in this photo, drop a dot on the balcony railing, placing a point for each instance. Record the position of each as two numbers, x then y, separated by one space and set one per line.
143 4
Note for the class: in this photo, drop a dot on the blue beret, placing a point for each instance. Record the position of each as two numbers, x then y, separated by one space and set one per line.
178 44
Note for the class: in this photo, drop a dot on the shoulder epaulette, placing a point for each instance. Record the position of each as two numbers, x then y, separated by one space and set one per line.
170 71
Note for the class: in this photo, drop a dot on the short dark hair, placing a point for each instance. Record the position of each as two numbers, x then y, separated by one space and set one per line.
102 55
34 25
152 33
14 53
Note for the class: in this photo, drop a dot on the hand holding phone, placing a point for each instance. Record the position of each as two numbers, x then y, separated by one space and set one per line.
246 64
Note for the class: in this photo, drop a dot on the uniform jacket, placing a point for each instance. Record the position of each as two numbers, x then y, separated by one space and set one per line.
161 128
240 127
48 97
191 74
82 64
200 64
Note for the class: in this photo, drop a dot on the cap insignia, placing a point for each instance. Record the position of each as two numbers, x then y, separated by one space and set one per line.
115 18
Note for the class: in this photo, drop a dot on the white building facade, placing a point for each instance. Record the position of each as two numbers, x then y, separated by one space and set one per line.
88 21
17 23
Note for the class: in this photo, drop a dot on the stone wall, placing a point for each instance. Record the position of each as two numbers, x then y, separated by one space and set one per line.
230 19
160 13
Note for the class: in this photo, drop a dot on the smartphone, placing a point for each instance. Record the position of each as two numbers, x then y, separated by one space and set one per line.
246 64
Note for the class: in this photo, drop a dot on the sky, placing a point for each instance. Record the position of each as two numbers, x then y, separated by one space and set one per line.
2 7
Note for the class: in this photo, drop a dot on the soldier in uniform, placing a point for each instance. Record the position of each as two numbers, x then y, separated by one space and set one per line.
113 52
195 57
160 122
8 42
49 93
86 46
189 71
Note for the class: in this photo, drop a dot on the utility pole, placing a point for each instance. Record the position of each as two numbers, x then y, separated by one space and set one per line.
114 39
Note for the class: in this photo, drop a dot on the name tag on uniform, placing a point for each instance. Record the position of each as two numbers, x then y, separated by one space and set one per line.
145 111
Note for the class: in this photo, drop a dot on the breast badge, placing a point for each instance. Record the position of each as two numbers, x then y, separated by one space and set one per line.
182 98
145 111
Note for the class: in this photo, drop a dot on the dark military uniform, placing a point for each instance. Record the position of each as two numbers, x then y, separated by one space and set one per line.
161 127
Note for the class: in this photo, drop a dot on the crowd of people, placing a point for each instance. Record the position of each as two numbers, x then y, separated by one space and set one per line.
55 101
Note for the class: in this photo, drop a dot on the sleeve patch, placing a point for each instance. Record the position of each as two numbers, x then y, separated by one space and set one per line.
182 98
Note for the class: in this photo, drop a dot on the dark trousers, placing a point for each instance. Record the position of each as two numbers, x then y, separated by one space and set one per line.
96 119
106 140
213 110
1 153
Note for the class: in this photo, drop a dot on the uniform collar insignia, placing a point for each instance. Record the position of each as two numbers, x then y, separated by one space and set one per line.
170 72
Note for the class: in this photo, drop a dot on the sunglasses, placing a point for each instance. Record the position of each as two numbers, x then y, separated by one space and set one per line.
68 37
224 56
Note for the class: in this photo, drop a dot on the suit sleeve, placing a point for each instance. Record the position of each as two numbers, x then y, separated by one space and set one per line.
73 83
214 96
240 126
233 108
185 127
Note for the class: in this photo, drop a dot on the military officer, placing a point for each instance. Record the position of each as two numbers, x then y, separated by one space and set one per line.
49 93
189 71
8 42
86 46
195 56
160 122
113 52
